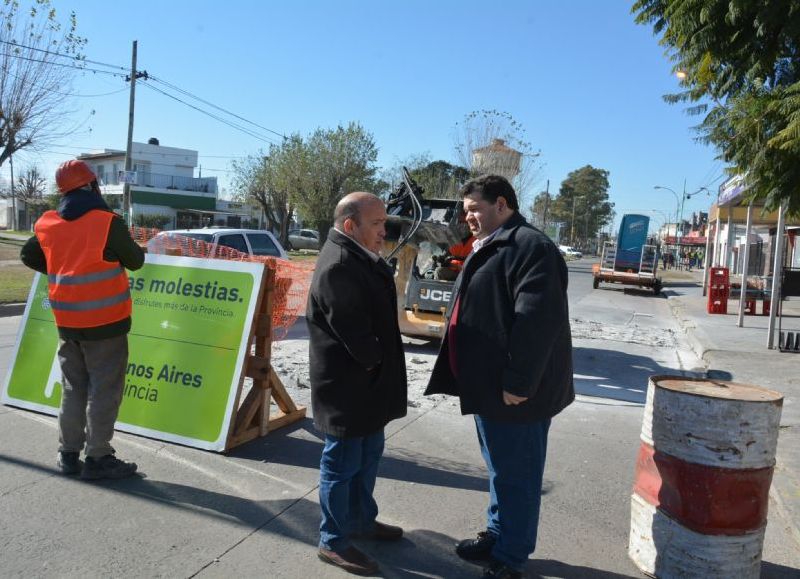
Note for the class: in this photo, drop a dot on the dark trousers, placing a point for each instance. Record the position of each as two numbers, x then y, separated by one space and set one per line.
514 454
93 381
347 473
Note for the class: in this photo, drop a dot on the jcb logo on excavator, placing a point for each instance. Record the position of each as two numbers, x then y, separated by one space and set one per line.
434 295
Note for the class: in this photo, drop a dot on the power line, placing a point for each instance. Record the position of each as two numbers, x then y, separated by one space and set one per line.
213 116
169 85
63 64
218 170
73 94
62 55
187 93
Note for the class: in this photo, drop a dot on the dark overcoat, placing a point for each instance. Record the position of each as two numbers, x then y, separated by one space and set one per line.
357 365
512 329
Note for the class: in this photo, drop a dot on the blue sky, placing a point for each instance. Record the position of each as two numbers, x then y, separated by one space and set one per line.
581 77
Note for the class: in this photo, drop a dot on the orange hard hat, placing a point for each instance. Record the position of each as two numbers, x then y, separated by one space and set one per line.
73 174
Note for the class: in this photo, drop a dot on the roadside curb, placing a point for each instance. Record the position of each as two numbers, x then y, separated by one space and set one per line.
8 310
783 477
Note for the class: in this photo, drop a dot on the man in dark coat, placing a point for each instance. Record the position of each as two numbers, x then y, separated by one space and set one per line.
507 354
358 376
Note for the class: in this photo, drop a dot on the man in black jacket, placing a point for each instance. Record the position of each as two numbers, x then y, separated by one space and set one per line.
358 376
507 354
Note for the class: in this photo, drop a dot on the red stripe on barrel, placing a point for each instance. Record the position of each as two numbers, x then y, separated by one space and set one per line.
709 500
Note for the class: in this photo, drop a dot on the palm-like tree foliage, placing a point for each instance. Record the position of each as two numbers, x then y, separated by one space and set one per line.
742 73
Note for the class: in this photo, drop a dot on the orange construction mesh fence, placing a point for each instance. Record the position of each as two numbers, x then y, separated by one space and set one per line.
292 278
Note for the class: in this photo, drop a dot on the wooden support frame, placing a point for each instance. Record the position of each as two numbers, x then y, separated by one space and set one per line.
253 419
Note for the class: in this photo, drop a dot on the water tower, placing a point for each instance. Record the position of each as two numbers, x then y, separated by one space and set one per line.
497 159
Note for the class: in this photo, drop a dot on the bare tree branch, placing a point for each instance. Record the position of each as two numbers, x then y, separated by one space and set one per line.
480 128
34 48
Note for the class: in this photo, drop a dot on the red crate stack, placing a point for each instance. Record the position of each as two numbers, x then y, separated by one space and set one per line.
718 290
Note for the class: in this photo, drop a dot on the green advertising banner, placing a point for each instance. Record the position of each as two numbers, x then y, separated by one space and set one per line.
187 346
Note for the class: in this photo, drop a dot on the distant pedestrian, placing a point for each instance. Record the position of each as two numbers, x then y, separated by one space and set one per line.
84 248
507 354
358 377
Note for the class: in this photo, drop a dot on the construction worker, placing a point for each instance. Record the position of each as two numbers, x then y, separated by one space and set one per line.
84 248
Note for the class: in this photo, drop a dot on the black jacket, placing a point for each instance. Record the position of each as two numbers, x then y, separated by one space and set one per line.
512 330
357 365
119 247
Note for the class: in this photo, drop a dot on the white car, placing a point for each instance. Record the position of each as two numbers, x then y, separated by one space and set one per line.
568 251
250 241
304 239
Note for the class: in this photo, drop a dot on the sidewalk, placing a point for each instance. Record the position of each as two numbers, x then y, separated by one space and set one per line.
741 355
15 236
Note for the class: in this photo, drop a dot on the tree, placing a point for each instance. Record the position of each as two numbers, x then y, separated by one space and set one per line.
268 180
740 68
582 203
152 221
330 164
440 179
34 77
480 128
541 211
392 176
31 186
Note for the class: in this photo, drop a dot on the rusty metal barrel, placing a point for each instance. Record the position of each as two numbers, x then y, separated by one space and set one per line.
700 496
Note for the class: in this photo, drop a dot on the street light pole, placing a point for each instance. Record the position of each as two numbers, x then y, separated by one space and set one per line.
677 206
679 233
572 222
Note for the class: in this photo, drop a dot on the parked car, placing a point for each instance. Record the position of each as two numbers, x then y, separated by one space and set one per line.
303 239
568 251
251 241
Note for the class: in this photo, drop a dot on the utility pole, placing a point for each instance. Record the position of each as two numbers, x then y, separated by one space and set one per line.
679 232
126 187
546 205
14 214
572 221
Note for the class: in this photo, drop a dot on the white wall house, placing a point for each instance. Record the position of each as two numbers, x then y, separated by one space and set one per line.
165 183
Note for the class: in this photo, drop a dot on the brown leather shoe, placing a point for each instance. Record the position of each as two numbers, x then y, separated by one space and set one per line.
381 532
351 560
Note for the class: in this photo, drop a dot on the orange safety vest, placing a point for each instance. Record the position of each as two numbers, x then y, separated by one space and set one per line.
85 290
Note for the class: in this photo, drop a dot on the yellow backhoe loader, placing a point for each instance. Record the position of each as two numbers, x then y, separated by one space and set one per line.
419 234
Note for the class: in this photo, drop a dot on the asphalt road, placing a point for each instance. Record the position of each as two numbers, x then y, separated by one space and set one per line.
254 512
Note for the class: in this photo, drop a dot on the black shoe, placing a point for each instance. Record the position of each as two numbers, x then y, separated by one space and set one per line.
108 466
479 549
499 570
69 462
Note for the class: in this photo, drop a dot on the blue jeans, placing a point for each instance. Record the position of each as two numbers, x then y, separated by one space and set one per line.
347 473
514 455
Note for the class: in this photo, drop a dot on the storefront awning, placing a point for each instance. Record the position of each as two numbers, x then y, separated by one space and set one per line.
685 240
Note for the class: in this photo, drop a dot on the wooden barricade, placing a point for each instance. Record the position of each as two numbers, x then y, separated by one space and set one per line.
253 418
